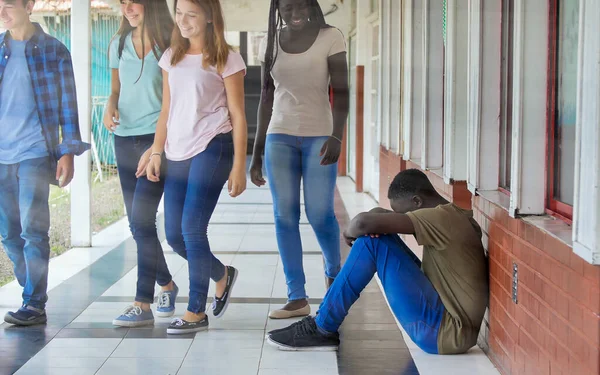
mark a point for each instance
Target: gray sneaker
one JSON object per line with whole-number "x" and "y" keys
{"x": 182, "y": 327}
{"x": 134, "y": 316}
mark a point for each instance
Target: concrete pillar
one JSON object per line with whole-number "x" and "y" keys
{"x": 81, "y": 208}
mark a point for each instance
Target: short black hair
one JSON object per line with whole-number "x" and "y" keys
{"x": 409, "y": 183}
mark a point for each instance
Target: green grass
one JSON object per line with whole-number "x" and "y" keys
{"x": 5, "y": 280}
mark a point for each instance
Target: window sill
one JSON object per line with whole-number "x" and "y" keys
{"x": 550, "y": 225}
{"x": 496, "y": 197}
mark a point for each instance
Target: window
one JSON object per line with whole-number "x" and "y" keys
{"x": 254, "y": 39}
{"x": 374, "y": 6}
{"x": 564, "y": 32}
{"x": 507, "y": 96}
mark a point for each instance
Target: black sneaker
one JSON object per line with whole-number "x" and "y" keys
{"x": 183, "y": 327}
{"x": 304, "y": 336}
{"x": 219, "y": 305}
{"x": 26, "y": 316}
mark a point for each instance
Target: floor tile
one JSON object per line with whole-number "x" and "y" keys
{"x": 141, "y": 366}
{"x": 57, "y": 371}
{"x": 241, "y": 316}
{"x": 49, "y": 353}
{"x": 300, "y": 371}
{"x": 67, "y": 344}
{"x": 273, "y": 359}
{"x": 228, "y": 368}
{"x": 152, "y": 348}
{"x": 43, "y": 362}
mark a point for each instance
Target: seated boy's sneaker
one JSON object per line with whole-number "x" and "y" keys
{"x": 166, "y": 302}
{"x": 304, "y": 336}
{"x": 134, "y": 316}
{"x": 183, "y": 327}
{"x": 26, "y": 316}
{"x": 219, "y": 305}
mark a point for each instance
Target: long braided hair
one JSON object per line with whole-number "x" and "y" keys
{"x": 275, "y": 26}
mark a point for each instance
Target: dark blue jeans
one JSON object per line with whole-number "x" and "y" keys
{"x": 24, "y": 225}
{"x": 142, "y": 198}
{"x": 192, "y": 190}
{"x": 414, "y": 301}
{"x": 290, "y": 161}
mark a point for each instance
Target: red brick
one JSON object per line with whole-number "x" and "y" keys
{"x": 507, "y": 241}
{"x": 528, "y": 345}
{"x": 559, "y": 328}
{"x": 561, "y": 276}
{"x": 580, "y": 348}
{"x": 510, "y": 326}
{"x": 577, "y": 264}
{"x": 579, "y": 288}
{"x": 544, "y": 315}
{"x": 520, "y": 359}
{"x": 526, "y": 231}
{"x": 591, "y": 326}
{"x": 576, "y": 315}
{"x": 591, "y": 272}
{"x": 526, "y": 276}
{"x": 549, "y": 294}
{"x": 557, "y": 250}
{"x": 562, "y": 355}
{"x": 532, "y": 367}
{"x": 594, "y": 299}
{"x": 544, "y": 363}
{"x": 538, "y": 286}
{"x": 513, "y": 226}
{"x": 555, "y": 369}
{"x": 529, "y": 302}
{"x": 562, "y": 304}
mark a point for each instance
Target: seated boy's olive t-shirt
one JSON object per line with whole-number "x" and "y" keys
{"x": 454, "y": 262}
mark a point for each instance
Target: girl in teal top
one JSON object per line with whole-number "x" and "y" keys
{"x": 131, "y": 114}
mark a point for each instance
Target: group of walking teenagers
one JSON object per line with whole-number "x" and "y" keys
{"x": 177, "y": 113}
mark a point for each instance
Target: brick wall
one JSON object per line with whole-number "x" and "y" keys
{"x": 555, "y": 326}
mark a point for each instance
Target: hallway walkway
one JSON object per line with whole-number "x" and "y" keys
{"x": 90, "y": 287}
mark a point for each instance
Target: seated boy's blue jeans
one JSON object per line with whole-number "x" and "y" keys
{"x": 414, "y": 301}
{"x": 24, "y": 225}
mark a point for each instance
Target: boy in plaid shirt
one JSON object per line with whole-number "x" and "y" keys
{"x": 40, "y": 136}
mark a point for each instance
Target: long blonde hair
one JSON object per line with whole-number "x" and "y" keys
{"x": 216, "y": 48}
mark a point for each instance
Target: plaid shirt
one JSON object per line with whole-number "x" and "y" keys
{"x": 53, "y": 82}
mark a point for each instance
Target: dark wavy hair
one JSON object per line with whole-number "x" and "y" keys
{"x": 276, "y": 24}
{"x": 158, "y": 21}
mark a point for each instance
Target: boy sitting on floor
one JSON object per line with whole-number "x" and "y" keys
{"x": 440, "y": 302}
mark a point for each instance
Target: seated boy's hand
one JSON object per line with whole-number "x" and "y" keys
{"x": 349, "y": 239}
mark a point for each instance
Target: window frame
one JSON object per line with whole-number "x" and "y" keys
{"x": 554, "y": 207}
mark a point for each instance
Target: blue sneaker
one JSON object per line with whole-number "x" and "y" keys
{"x": 166, "y": 302}
{"x": 26, "y": 316}
{"x": 134, "y": 316}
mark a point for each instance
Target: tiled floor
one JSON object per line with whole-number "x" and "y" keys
{"x": 90, "y": 287}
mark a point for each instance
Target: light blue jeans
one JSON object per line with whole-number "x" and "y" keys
{"x": 24, "y": 225}
{"x": 291, "y": 160}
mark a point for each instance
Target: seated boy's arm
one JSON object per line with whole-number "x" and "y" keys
{"x": 380, "y": 223}
{"x": 379, "y": 210}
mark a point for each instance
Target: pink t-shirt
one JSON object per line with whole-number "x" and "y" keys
{"x": 198, "y": 110}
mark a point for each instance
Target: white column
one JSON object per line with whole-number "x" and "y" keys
{"x": 407, "y": 94}
{"x": 483, "y": 89}
{"x": 433, "y": 84}
{"x": 530, "y": 79}
{"x": 81, "y": 208}
{"x": 586, "y": 209}
{"x": 455, "y": 112}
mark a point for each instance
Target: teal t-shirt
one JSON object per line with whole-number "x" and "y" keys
{"x": 139, "y": 102}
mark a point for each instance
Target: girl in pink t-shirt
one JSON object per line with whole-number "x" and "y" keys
{"x": 202, "y": 131}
